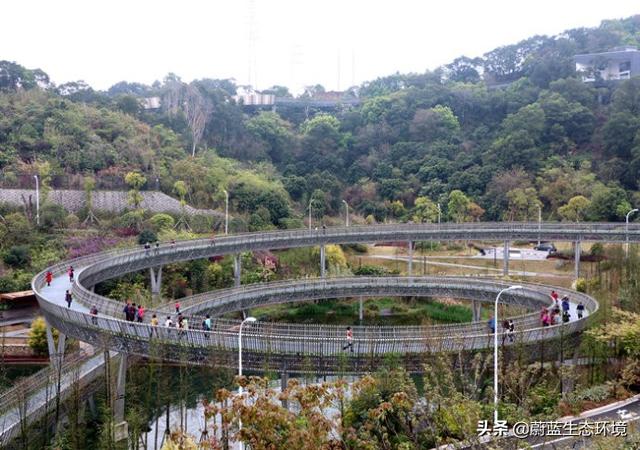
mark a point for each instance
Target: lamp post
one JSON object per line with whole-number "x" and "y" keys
{"x": 347, "y": 207}
{"x": 495, "y": 352}
{"x": 626, "y": 227}
{"x": 226, "y": 211}
{"x": 439, "y": 213}
{"x": 248, "y": 319}
{"x": 37, "y": 200}
{"x": 539, "y": 222}
{"x": 310, "y": 202}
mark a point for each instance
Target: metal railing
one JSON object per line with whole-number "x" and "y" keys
{"x": 317, "y": 339}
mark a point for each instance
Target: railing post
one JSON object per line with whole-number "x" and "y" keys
{"x": 505, "y": 263}
{"x": 410, "y": 270}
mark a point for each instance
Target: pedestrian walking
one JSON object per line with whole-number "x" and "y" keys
{"x": 206, "y": 323}
{"x": 349, "y": 337}
{"x": 140, "y": 314}
{"x": 157, "y": 247}
{"x": 580, "y": 309}
{"x": 554, "y": 297}
{"x": 154, "y": 324}
{"x": 68, "y": 298}
{"x": 565, "y": 303}
{"x": 94, "y": 313}
{"x": 177, "y": 307}
{"x": 505, "y": 330}
{"x": 168, "y": 323}
{"x": 511, "y": 331}
{"x": 48, "y": 277}
{"x": 147, "y": 247}
{"x": 491, "y": 323}
{"x": 70, "y": 273}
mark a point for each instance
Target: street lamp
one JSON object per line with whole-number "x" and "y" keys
{"x": 37, "y": 200}
{"x": 248, "y": 319}
{"x": 226, "y": 211}
{"x": 626, "y": 247}
{"x": 539, "y": 222}
{"x": 495, "y": 352}
{"x": 310, "y": 202}
{"x": 347, "y": 207}
{"x": 439, "y": 213}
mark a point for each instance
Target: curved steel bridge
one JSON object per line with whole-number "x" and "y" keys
{"x": 307, "y": 347}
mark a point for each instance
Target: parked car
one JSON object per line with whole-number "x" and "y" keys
{"x": 546, "y": 247}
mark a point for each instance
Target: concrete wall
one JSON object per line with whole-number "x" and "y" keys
{"x": 112, "y": 201}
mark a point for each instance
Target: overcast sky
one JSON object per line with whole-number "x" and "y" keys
{"x": 336, "y": 43}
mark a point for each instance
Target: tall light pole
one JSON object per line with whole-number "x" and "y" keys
{"x": 37, "y": 199}
{"x": 248, "y": 319}
{"x": 539, "y": 222}
{"x": 626, "y": 228}
{"x": 226, "y": 211}
{"x": 495, "y": 352}
{"x": 310, "y": 202}
{"x": 439, "y": 213}
{"x": 347, "y": 207}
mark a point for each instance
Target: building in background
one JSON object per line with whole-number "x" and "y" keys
{"x": 621, "y": 63}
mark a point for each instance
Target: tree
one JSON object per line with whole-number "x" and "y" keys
{"x": 608, "y": 203}
{"x": 575, "y": 209}
{"x": 619, "y": 133}
{"x": 425, "y": 210}
{"x": 437, "y": 123}
{"x": 523, "y": 204}
{"x": 275, "y": 133}
{"x": 135, "y": 180}
{"x": 181, "y": 189}
{"x": 458, "y": 206}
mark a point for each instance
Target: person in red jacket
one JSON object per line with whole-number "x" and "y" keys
{"x": 48, "y": 278}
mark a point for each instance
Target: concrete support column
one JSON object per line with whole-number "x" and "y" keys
{"x": 156, "y": 280}
{"x": 361, "y": 310}
{"x": 505, "y": 266}
{"x": 577, "y": 250}
{"x": 476, "y": 310}
{"x": 410, "y": 269}
{"x": 322, "y": 262}
{"x": 284, "y": 379}
{"x": 121, "y": 383}
{"x": 237, "y": 269}
{"x": 56, "y": 356}
{"x": 120, "y": 425}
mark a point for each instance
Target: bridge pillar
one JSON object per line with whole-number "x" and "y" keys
{"x": 56, "y": 357}
{"x": 284, "y": 380}
{"x": 156, "y": 280}
{"x": 120, "y": 425}
{"x": 237, "y": 269}
{"x": 576, "y": 252}
{"x": 322, "y": 262}
{"x": 476, "y": 310}
{"x": 505, "y": 264}
{"x": 410, "y": 269}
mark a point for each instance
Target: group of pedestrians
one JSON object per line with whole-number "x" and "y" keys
{"x": 560, "y": 311}
{"x": 508, "y": 329}
{"x": 133, "y": 312}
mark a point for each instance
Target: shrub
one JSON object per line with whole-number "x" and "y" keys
{"x": 161, "y": 222}
{"x": 581, "y": 285}
{"x": 147, "y": 236}
{"x": 38, "y": 336}
{"x": 369, "y": 270}
{"x": 290, "y": 223}
{"x": 52, "y": 216}
{"x": 17, "y": 256}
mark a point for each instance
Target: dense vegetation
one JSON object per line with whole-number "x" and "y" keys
{"x": 512, "y": 130}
